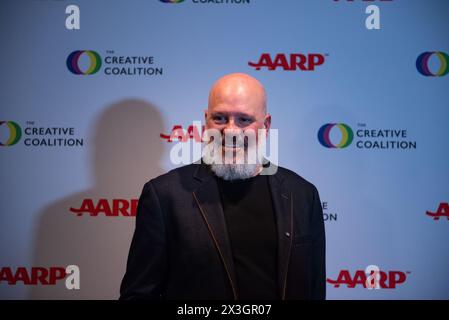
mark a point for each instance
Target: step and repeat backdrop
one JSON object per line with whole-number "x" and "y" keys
{"x": 91, "y": 92}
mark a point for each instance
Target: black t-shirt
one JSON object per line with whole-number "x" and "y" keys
{"x": 251, "y": 226}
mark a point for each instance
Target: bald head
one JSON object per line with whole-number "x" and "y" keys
{"x": 239, "y": 90}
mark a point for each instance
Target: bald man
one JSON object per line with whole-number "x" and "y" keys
{"x": 225, "y": 227}
{"x": 237, "y": 110}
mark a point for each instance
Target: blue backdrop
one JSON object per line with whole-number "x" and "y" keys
{"x": 82, "y": 113}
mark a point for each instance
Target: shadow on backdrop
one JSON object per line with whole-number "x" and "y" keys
{"x": 125, "y": 151}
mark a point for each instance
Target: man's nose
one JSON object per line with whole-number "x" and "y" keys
{"x": 232, "y": 129}
{"x": 231, "y": 126}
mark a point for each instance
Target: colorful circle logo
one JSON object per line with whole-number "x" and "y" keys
{"x": 172, "y": 1}
{"x": 422, "y": 64}
{"x": 15, "y": 133}
{"x": 347, "y": 135}
{"x": 94, "y": 62}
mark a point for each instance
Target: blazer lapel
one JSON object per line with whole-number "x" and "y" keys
{"x": 208, "y": 200}
{"x": 283, "y": 206}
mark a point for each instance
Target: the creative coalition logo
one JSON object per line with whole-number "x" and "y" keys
{"x": 370, "y": 278}
{"x": 341, "y": 135}
{"x": 11, "y": 133}
{"x": 442, "y": 211}
{"x": 89, "y": 62}
{"x": 289, "y": 62}
{"x": 74, "y": 58}
{"x": 107, "y": 208}
{"x": 347, "y": 135}
{"x": 41, "y": 276}
{"x": 423, "y": 64}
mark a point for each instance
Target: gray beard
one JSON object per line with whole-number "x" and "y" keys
{"x": 234, "y": 171}
{"x": 239, "y": 170}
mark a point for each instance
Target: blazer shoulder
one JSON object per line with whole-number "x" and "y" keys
{"x": 172, "y": 178}
{"x": 296, "y": 181}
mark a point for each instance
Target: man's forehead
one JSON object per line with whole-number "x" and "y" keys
{"x": 233, "y": 109}
{"x": 230, "y": 113}
{"x": 238, "y": 93}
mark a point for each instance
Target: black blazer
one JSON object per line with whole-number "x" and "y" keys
{"x": 180, "y": 248}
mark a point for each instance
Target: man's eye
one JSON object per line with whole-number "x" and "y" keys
{"x": 246, "y": 120}
{"x": 219, "y": 119}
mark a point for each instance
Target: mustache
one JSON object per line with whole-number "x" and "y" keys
{"x": 234, "y": 140}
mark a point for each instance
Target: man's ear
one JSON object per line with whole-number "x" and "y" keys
{"x": 205, "y": 115}
{"x": 267, "y": 122}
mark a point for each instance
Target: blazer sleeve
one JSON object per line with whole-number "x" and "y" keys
{"x": 147, "y": 259}
{"x": 318, "y": 250}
